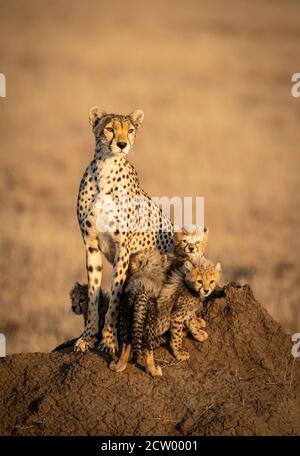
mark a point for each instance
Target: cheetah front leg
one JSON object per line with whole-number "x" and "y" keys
{"x": 109, "y": 334}
{"x": 94, "y": 273}
{"x": 124, "y": 335}
{"x": 151, "y": 340}
{"x": 121, "y": 364}
{"x": 177, "y": 336}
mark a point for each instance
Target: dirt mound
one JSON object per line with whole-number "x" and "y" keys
{"x": 242, "y": 380}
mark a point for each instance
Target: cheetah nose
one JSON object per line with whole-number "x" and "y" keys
{"x": 191, "y": 248}
{"x": 122, "y": 144}
{"x": 206, "y": 291}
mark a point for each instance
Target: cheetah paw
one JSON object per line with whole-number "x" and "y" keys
{"x": 155, "y": 372}
{"x": 202, "y": 323}
{"x": 201, "y": 336}
{"x": 82, "y": 345}
{"x": 109, "y": 344}
{"x": 182, "y": 355}
{"x": 116, "y": 366}
{"x": 197, "y": 323}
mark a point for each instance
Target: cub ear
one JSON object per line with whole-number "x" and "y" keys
{"x": 95, "y": 115}
{"x": 137, "y": 117}
{"x": 218, "y": 267}
{"x": 188, "y": 229}
{"x": 188, "y": 265}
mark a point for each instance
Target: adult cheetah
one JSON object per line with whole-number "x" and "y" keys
{"x": 116, "y": 218}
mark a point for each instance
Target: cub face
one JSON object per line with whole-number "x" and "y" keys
{"x": 202, "y": 279}
{"x": 78, "y": 296}
{"x": 137, "y": 262}
{"x": 191, "y": 241}
{"x": 115, "y": 131}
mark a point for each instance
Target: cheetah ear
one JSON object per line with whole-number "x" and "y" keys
{"x": 218, "y": 267}
{"x": 95, "y": 115}
{"x": 188, "y": 265}
{"x": 187, "y": 229}
{"x": 137, "y": 117}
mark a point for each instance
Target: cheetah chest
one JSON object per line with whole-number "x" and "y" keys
{"x": 108, "y": 213}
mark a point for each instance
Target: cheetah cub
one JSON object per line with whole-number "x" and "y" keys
{"x": 79, "y": 303}
{"x": 184, "y": 293}
{"x": 190, "y": 242}
{"x": 138, "y": 307}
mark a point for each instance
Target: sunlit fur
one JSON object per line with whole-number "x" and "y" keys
{"x": 191, "y": 241}
{"x": 138, "y": 309}
{"x": 202, "y": 278}
{"x": 108, "y": 178}
{"x": 146, "y": 274}
{"x": 113, "y": 130}
{"x": 188, "y": 284}
{"x": 141, "y": 289}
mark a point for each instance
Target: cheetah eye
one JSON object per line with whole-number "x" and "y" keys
{"x": 211, "y": 282}
{"x": 197, "y": 242}
{"x": 200, "y": 282}
{"x": 131, "y": 130}
{"x": 184, "y": 241}
{"x": 110, "y": 129}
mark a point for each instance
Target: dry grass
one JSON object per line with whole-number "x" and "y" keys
{"x": 213, "y": 79}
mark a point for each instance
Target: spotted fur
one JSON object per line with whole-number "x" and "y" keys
{"x": 107, "y": 174}
{"x": 138, "y": 309}
{"x": 181, "y": 300}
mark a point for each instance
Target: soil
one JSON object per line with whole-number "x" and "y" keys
{"x": 242, "y": 381}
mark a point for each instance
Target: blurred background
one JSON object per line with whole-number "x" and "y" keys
{"x": 214, "y": 81}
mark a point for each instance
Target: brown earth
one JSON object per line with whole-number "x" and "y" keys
{"x": 242, "y": 380}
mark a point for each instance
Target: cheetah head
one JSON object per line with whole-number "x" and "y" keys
{"x": 202, "y": 278}
{"x": 115, "y": 131}
{"x": 79, "y": 298}
{"x": 191, "y": 241}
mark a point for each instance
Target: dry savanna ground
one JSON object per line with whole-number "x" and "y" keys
{"x": 213, "y": 79}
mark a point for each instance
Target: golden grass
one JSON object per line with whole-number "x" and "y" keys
{"x": 214, "y": 82}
